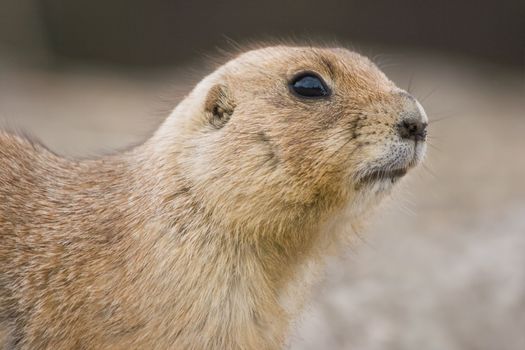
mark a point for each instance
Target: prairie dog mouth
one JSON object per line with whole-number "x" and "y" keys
{"x": 383, "y": 174}
{"x": 398, "y": 162}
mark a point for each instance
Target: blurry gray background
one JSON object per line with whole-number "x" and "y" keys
{"x": 442, "y": 265}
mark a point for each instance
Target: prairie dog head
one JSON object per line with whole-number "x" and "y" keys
{"x": 279, "y": 131}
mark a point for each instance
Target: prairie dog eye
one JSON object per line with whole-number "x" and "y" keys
{"x": 309, "y": 85}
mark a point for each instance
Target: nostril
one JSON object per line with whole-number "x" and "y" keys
{"x": 413, "y": 129}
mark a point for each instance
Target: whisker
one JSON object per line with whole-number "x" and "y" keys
{"x": 363, "y": 240}
{"x": 384, "y": 60}
{"x": 443, "y": 112}
{"x": 432, "y": 121}
{"x": 405, "y": 208}
{"x": 388, "y": 65}
{"x": 350, "y": 139}
{"x": 429, "y": 94}
{"x": 429, "y": 170}
{"x": 409, "y": 87}
{"x": 434, "y": 147}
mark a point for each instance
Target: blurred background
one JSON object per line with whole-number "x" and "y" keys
{"x": 442, "y": 265}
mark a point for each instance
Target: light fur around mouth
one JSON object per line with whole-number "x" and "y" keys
{"x": 393, "y": 171}
{"x": 383, "y": 174}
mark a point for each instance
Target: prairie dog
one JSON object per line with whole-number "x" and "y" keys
{"x": 196, "y": 238}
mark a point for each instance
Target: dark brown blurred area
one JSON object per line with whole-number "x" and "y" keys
{"x": 163, "y": 32}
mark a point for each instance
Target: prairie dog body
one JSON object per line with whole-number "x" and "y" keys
{"x": 195, "y": 239}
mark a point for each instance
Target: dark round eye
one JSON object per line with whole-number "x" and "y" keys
{"x": 309, "y": 85}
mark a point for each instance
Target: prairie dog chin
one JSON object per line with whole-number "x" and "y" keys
{"x": 200, "y": 237}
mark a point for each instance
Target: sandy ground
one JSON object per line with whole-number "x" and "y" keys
{"x": 442, "y": 266}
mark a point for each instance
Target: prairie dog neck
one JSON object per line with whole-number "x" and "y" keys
{"x": 167, "y": 272}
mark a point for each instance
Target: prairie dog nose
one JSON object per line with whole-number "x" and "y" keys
{"x": 413, "y": 122}
{"x": 412, "y": 129}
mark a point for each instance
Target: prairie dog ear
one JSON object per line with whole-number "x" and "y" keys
{"x": 219, "y": 106}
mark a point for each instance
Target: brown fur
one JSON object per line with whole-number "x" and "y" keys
{"x": 194, "y": 239}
